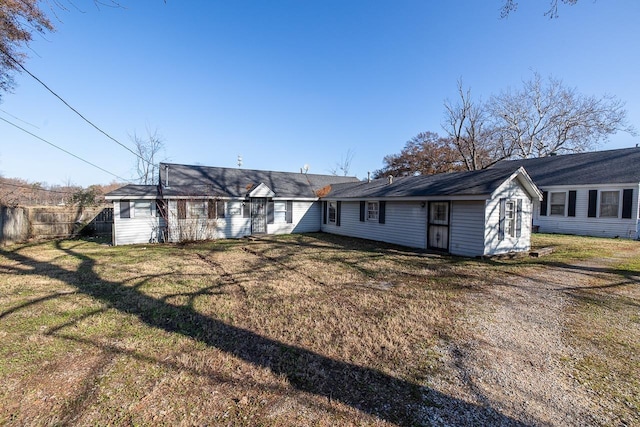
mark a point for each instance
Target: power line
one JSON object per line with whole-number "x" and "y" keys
{"x": 62, "y": 149}
{"x": 15, "y": 61}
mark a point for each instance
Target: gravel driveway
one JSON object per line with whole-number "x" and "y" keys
{"x": 514, "y": 361}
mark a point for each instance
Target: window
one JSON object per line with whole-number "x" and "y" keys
{"x": 332, "y": 212}
{"x": 609, "y": 204}
{"x": 279, "y": 211}
{"x": 557, "y": 203}
{"x": 142, "y": 208}
{"x": 439, "y": 212}
{"x": 510, "y": 218}
{"x": 125, "y": 209}
{"x": 197, "y": 209}
{"x": 373, "y": 211}
{"x": 215, "y": 209}
{"x": 234, "y": 208}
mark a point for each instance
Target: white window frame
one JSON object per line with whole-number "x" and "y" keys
{"x": 142, "y": 208}
{"x": 373, "y": 211}
{"x": 600, "y": 203}
{"x": 279, "y": 211}
{"x": 510, "y": 215}
{"x": 197, "y": 209}
{"x": 552, "y": 204}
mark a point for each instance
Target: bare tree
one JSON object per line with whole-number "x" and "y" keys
{"x": 510, "y": 6}
{"x": 466, "y": 123}
{"x": 344, "y": 165}
{"x": 545, "y": 117}
{"x": 148, "y": 151}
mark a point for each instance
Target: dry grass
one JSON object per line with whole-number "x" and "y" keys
{"x": 294, "y": 330}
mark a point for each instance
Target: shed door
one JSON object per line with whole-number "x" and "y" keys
{"x": 438, "y": 226}
{"x": 258, "y": 216}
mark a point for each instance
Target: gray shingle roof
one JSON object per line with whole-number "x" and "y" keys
{"x": 134, "y": 191}
{"x": 232, "y": 182}
{"x": 596, "y": 167}
{"x": 475, "y": 183}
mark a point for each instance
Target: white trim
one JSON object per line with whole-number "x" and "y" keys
{"x": 262, "y": 191}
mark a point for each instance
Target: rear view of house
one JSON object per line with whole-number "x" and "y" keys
{"x": 466, "y": 213}
{"x": 199, "y": 202}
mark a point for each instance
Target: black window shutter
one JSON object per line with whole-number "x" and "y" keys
{"x": 503, "y": 208}
{"x": 627, "y": 202}
{"x": 211, "y": 209}
{"x": 270, "y": 212}
{"x": 593, "y": 203}
{"x": 519, "y": 218}
{"x": 338, "y": 211}
{"x": 289, "y": 213}
{"x": 382, "y": 212}
{"x": 362, "y": 210}
{"x": 543, "y": 203}
{"x": 572, "y": 203}
{"x": 324, "y": 212}
{"x": 182, "y": 209}
{"x": 125, "y": 209}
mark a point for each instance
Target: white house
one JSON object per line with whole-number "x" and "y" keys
{"x": 476, "y": 213}
{"x": 466, "y": 213}
{"x": 199, "y": 202}
{"x": 592, "y": 194}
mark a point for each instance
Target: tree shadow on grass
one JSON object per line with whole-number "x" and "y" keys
{"x": 366, "y": 389}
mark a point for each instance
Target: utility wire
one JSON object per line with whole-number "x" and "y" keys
{"x": 62, "y": 149}
{"x": 15, "y": 61}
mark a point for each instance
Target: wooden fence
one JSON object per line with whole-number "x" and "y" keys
{"x": 18, "y": 224}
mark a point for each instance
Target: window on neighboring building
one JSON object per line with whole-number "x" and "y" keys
{"x": 332, "y": 212}
{"x": 373, "y": 211}
{"x": 609, "y": 204}
{"x": 557, "y": 203}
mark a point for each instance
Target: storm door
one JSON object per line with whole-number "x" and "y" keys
{"x": 258, "y": 216}
{"x": 438, "y": 226}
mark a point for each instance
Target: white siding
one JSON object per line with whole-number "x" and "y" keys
{"x": 405, "y": 224}
{"x": 467, "y": 228}
{"x": 305, "y": 219}
{"x": 140, "y": 229}
{"x": 581, "y": 224}
{"x": 493, "y": 244}
{"x": 232, "y": 226}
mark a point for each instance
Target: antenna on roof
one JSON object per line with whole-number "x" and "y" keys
{"x": 239, "y": 161}
{"x": 305, "y": 168}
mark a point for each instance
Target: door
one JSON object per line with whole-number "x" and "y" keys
{"x": 258, "y": 216}
{"x": 438, "y": 226}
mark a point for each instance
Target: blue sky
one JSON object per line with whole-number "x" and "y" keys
{"x": 289, "y": 83}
